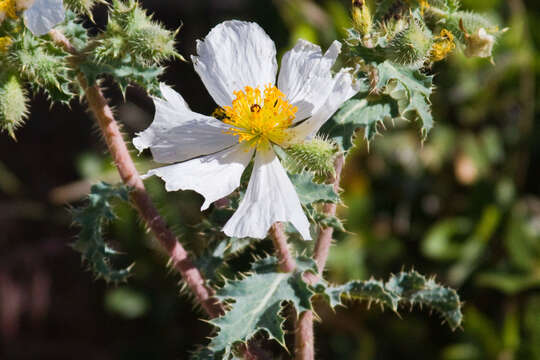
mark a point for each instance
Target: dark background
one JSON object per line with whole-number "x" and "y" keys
{"x": 464, "y": 205}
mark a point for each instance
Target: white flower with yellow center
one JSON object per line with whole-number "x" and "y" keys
{"x": 40, "y": 16}
{"x": 237, "y": 64}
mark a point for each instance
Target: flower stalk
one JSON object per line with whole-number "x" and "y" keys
{"x": 305, "y": 339}
{"x": 111, "y": 132}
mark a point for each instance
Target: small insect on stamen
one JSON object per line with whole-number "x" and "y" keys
{"x": 255, "y": 108}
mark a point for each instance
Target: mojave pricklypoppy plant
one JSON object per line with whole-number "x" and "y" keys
{"x": 237, "y": 64}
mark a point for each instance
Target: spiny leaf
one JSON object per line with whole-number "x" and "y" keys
{"x": 404, "y": 288}
{"x": 310, "y": 192}
{"x": 90, "y": 242}
{"x": 411, "y": 89}
{"x": 256, "y": 302}
{"x": 354, "y": 114}
{"x": 414, "y": 288}
{"x": 371, "y": 290}
{"x": 125, "y": 71}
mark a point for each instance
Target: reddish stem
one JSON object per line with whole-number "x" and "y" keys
{"x": 305, "y": 338}
{"x": 286, "y": 261}
{"x": 126, "y": 168}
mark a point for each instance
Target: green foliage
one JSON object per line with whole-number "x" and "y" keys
{"x": 310, "y": 192}
{"x": 73, "y": 29}
{"x": 125, "y": 72}
{"x": 131, "y": 49}
{"x": 13, "y": 103}
{"x": 354, "y": 114}
{"x": 410, "y": 89}
{"x": 90, "y": 243}
{"x": 255, "y": 305}
{"x": 404, "y": 288}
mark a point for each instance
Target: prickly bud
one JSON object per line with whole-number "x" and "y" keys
{"x": 361, "y": 15}
{"x": 130, "y": 31}
{"x": 13, "y": 104}
{"x": 316, "y": 156}
{"x": 82, "y": 6}
{"x": 411, "y": 46}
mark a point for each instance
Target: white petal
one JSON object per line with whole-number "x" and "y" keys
{"x": 235, "y": 54}
{"x": 270, "y": 197}
{"x": 342, "y": 90}
{"x": 214, "y": 176}
{"x": 178, "y": 134}
{"x": 306, "y": 78}
{"x": 43, "y": 15}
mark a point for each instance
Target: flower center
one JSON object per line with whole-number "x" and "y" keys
{"x": 259, "y": 118}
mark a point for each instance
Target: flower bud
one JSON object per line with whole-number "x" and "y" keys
{"x": 361, "y": 15}
{"x": 316, "y": 156}
{"x": 13, "y": 104}
{"x": 411, "y": 46}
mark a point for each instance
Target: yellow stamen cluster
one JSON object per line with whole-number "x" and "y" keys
{"x": 8, "y": 8}
{"x": 259, "y": 118}
{"x": 444, "y": 45}
{"x": 5, "y": 43}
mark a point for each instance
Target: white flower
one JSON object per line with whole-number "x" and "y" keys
{"x": 40, "y": 16}
{"x": 237, "y": 63}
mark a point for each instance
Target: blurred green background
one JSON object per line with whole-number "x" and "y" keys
{"x": 464, "y": 205}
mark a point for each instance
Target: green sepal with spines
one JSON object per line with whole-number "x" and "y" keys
{"x": 90, "y": 242}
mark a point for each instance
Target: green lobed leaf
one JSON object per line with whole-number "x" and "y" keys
{"x": 411, "y": 89}
{"x": 255, "y": 305}
{"x": 404, "y": 288}
{"x": 310, "y": 192}
{"x": 356, "y": 113}
{"x": 90, "y": 242}
{"x": 125, "y": 72}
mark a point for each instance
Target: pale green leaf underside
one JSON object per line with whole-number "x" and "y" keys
{"x": 310, "y": 192}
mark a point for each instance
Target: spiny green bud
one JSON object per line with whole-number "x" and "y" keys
{"x": 411, "y": 46}
{"x": 316, "y": 156}
{"x": 130, "y": 31}
{"x": 13, "y": 104}
{"x": 361, "y": 15}
{"x": 42, "y": 65}
{"x": 83, "y": 7}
